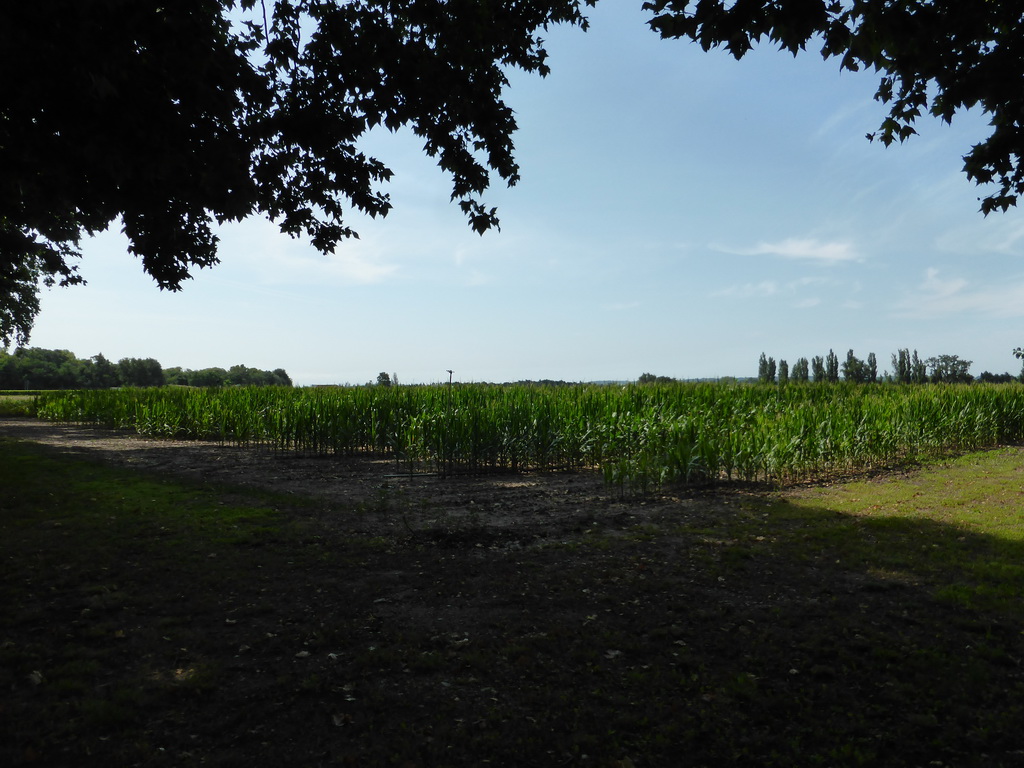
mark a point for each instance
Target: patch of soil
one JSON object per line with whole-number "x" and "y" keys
{"x": 388, "y": 498}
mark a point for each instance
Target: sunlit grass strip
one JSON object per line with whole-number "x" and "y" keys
{"x": 640, "y": 436}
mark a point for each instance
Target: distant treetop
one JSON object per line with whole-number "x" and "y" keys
{"x": 34, "y": 368}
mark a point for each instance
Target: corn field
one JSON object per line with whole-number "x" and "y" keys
{"x": 640, "y": 436}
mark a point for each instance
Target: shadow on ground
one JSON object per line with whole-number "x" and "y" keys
{"x": 149, "y": 620}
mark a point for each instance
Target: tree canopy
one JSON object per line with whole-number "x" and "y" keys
{"x": 935, "y": 57}
{"x": 34, "y": 368}
{"x": 171, "y": 117}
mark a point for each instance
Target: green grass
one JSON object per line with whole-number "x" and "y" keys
{"x": 86, "y": 550}
{"x": 961, "y": 522}
{"x": 18, "y": 404}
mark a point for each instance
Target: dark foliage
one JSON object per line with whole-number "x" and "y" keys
{"x": 34, "y": 368}
{"x": 934, "y": 56}
{"x": 173, "y": 117}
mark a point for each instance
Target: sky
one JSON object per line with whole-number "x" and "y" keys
{"x": 679, "y": 213}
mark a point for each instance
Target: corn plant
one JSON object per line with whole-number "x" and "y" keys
{"x": 641, "y": 437}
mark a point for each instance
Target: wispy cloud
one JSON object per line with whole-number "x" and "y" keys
{"x": 800, "y": 248}
{"x": 846, "y": 124}
{"x": 359, "y": 268}
{"x": 994, "y": 235}
{"x": 937, "y": 288}
{"x": 807, "y": 303}
{"x": 748, "y": 290}
{"x": 255, "y": 246}
{"x": 792, "y": 289}
{"x": 938, "y": 296}
{"x": 346, "y": 266}
{"x": 806, "y": 282}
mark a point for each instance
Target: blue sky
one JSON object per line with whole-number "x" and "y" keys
{"x": 679, "y": 213}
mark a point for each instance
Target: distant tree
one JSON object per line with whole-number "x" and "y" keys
{"x": 32, "y": 368}
{"x": 48, "y": 368}
{"x": 650, "y": 378}
{"x": 10, "y": 377}
{"x": 853, "y": 368}
{"x": 1019, "y": 354}
{"x": 383, "y": 380}
{"x": 783, "y": 372}
{"x": 762, "y": 368}
{"x": 860, "y": 371}
{"x": 177, "y": 376}
{"x": 103, "y": 374}
{"x": 237, "y": 375}
{"x": 949, "y": 369}
{"x": 918, "y": 370}
{"x": 243, "y": 376}
{"x": 208, "y": 377}
{"x": 831, "y": 367}
{"x": 801, "y": 370}
{"x": 901, "y": 367}
{"x": 35, "y": 368}
{"x": 985, "y": 377}
{"x": 871, "y": 369}
{"x": 818, "y": 368}
{"x": 139, "y": 372}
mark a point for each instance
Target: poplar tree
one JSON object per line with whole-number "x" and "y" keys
{"x": 901, "y": 367}
{"x": 918, "y": 370}
{"x": 831, "y": 367}
{"x": 818, "y": 368}
{"x": 853, "y": 368}
{"x": 800, "y": 370}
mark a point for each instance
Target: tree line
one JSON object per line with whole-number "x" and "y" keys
{"x": 34, "y": 368}
{"x": 907, "y": 368}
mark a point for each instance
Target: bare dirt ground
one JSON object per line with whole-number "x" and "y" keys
{"x": 512, "y": 505}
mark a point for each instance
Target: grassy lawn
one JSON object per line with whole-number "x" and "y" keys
{"x": 149, "y": 621}
{"x": 12, "y": 404}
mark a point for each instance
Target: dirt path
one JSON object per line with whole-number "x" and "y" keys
{"x": 520, "y": 506}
